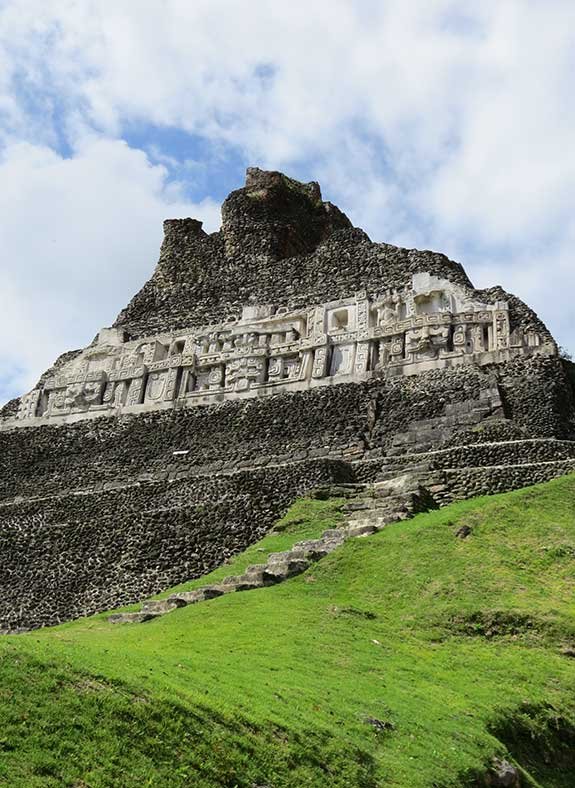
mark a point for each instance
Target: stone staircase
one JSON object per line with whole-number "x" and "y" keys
{"x": 404, "y": 485}
{"x": 368, "y": 509}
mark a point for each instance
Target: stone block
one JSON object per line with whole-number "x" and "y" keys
{"x": 132, "y": 618}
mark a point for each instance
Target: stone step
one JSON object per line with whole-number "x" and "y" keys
{"x": 315, "y": 549}
{"x": 337, "y": 491}
{"x": 132, "y": 618}
{"x": 333, "y": 535}
{"x": 357, "y": 504}
{"x": 286, "y": 555}
{"x": 254, "y": 569}
{"x": 197, "y": 595}
{"x": 378, "y": 505}
{"x": 390, "y": 513}
{"x": 385, "y": 489}
{"x": 162, "y": 605}
{"x": 245, "y": 582}
{"x": 374, "y": 522}
{"x": 389, "y": 502}
{"x": 257, "y": 578}
{"x": 361, "y": 529}
{"x": 288, "y": 568}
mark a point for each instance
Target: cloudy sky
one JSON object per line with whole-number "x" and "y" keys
{"x": 433, "y": 124}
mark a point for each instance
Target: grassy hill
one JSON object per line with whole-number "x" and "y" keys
{"x": 408, "y": 658}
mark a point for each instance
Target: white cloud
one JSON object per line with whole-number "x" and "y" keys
{"x": 78, "y": 237}
{"x": 437, "y": 123}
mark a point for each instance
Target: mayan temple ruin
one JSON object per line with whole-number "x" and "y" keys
{"x": 284, "y": 352}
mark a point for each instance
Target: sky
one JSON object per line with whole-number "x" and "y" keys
{"x": 432, "y": 124}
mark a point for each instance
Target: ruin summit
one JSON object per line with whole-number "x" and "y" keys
{"x": 283, "y": 352}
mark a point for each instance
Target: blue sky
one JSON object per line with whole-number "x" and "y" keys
{"x": 437, "y": 124}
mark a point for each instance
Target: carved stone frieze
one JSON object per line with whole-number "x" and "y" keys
{"x": 432, "y": 323}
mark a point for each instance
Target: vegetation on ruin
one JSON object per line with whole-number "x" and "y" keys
{"x": 409, "y": 658}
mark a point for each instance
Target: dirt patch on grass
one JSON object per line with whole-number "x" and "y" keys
{"x": 497, "y": 623}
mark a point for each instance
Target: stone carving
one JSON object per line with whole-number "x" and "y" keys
{"x": 135, "y": 391}
{"x": 361, "y": 358}
{"x": 401, "y": 331}
{"x": 29, "y": 405}
{"x": 241, "y": 373}
{"x": 155, "y": 386}
{"x": 426, "y": 342}
{"x": 459, "y": 336}
{"x": 282, "y": 368}
{"x": 320, "y": 362}
{"x": 501, "y": 327}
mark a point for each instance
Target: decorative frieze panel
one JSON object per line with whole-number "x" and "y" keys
{"x": 431, "y": 323}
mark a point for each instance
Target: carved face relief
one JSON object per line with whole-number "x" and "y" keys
{"x": 92, "y": 393}
{"x": 57, "y": 399}
{"x": 425, "y": 342}
{"x": 71, "y": 394}
{"x": 232, "y": 372}
{"x": 82, "y": 395}
{"x": 242, "y": 372}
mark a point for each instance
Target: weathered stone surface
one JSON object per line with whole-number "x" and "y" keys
{"x": 503, "y": 775}
{"x": 318, "y": 359}
{"x": 134, "y": 618}
{"x": 77, "y": 552}
{"x": 433, "y": 324}
{"x": 162, "y": 606}
{"x": 364, "y": 529}
{"x": 184, "y": 598}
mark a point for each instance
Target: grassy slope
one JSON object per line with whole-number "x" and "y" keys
{"x": 456, "y": 646}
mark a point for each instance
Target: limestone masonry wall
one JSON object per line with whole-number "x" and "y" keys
{"x": 462, "y": 388}
{"x": 106, "y": 513}
{"x": 74, "y": 555}
{"x": 349, "y": 421}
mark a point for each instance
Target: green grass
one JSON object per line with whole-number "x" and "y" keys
{"x": 458, "y": 647}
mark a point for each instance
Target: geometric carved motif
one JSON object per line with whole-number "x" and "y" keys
{"x": 402, "y": 331}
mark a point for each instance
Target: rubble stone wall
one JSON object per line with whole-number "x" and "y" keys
{"x": 347, "y": 421}
{"x": 105, "y": 513}
{"x": 456, "y": 484}
{"x": 73, "y": 555}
